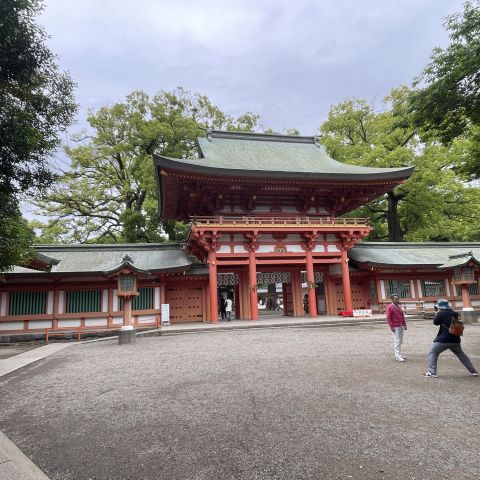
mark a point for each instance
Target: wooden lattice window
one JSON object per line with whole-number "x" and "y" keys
{"x": 433, "y": 288}
{"x": 398, "y": 287}
{"x": 143, "y": 301}
{"x": 28, "y": 303}
{"x": 83, "y": 301}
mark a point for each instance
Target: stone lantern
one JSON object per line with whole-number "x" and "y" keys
{"x": 463, "y": 268}
{"x": 126, "y": 275}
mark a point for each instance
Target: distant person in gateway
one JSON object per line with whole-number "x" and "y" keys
{"x": 223, "y": 304}
{"x": 228, "y": 309}
{"x": 396, "y": 322}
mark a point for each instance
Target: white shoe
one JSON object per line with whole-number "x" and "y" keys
{"x": 399, "y": 359}
{"x": 428, "y": 375}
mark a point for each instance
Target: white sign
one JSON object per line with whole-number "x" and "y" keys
{"x": 362, "y": 313}
{"x": 166, "y": 314}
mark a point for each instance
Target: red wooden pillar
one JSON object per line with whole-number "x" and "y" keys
{"x": 347, "y": 292}
{"x": 236, "y": 294}
{"x": 285, "y": 299}
{"x": 467, "y": 303}
{"x": 56, "y": 294}
{"x": 110, "y": 307}
{"x": 162, "y": 300}
{"x": 252, "y": 277}
{"x": 312, "y": 300}
{"x": 212, "y": 281}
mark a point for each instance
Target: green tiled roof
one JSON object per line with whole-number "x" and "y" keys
{"x": 279, "y": 156}
{"x": 107, "y": 258}
{"x": 409, "y": 254}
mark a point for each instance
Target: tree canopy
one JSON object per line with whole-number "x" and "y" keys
{"x": 109, "y": 194}
{"x": 446, "y": 103}
{"x": 37, "y": 104}
{"x": 435, "y": 203}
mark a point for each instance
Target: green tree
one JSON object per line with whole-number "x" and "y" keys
{"x": 447, "y": 100}
{"x": 434, "y": 204}
{"x": 37, "y": 104}
{"x": 110, "y": 192}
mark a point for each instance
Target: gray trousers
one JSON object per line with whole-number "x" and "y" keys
{"x": 398, "y": 341}
{"x": 456, "y": 348}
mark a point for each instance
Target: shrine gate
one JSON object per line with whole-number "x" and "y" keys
{"x": 270, "y": 203}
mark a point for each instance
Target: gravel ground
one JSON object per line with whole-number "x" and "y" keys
{"x": 297, "y": 403}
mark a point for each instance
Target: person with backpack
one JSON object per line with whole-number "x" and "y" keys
{"x": 448, "y": 338}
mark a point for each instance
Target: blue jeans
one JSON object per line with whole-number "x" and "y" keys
{"x": 456, "y": 348}
{"x": 229, "y": 315}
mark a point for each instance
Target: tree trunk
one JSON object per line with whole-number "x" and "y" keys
{"x": 395, "y": 233}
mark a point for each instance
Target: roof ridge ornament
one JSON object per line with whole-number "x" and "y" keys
{"x": 127, "y": 259}
{"x": 461, "y": 255}
{"x": 209, "y": 134}
{"x": 316, "y": 141}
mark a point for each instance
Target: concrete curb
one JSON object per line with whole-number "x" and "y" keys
{"x": 14, "y": 465}
{"x": 223, "y": 327}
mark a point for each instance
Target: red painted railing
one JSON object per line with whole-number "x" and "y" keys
{"x": 77, "y": 332}
{"x": 238, "y": 221}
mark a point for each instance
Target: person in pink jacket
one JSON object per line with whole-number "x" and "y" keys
{"x": 397, "y": 324}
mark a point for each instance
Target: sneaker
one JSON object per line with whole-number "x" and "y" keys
{"x": 399, "y": 359}
{"x": 473, "y": 373}
{"x": 428, "y": 374}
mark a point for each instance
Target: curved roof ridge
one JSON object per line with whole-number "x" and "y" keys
{"x": 273, "y": 137}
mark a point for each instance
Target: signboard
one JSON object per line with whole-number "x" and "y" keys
{"x": 166, "y": 314}
{"x": 362, "y": 313}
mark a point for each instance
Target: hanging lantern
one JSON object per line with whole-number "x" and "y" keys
{"x": 127, "y": 285}
{"x": 463, "y": 274}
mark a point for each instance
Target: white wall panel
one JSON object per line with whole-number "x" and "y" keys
{"x": 419, "y": 286}
{"x": 96, "y": 322}
{"x": 105, "y": 300}
{"x": 49, "y": 302}
{"x": 265, "y": 249}
{"x": 295, "y": 248}
{"x": 115, "y": 301}
{"x": 61, "y": 301}
{"x": 71, "y": 322}
{"x": 11, "y": 326}
{"x": 3, "y": 304}
{"x": 156, "y": 298}
{"x": 382, "y": 289}
{"x": 40, "y": 324}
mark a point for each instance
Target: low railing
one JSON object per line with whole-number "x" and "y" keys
{"x": 77, "y": 332}
{"x": 241, "y": 221}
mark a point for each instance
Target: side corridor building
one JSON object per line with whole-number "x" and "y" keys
{"x": 264, "y": 210}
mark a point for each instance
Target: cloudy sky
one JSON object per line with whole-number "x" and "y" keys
{"x": 287, "y": 60}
